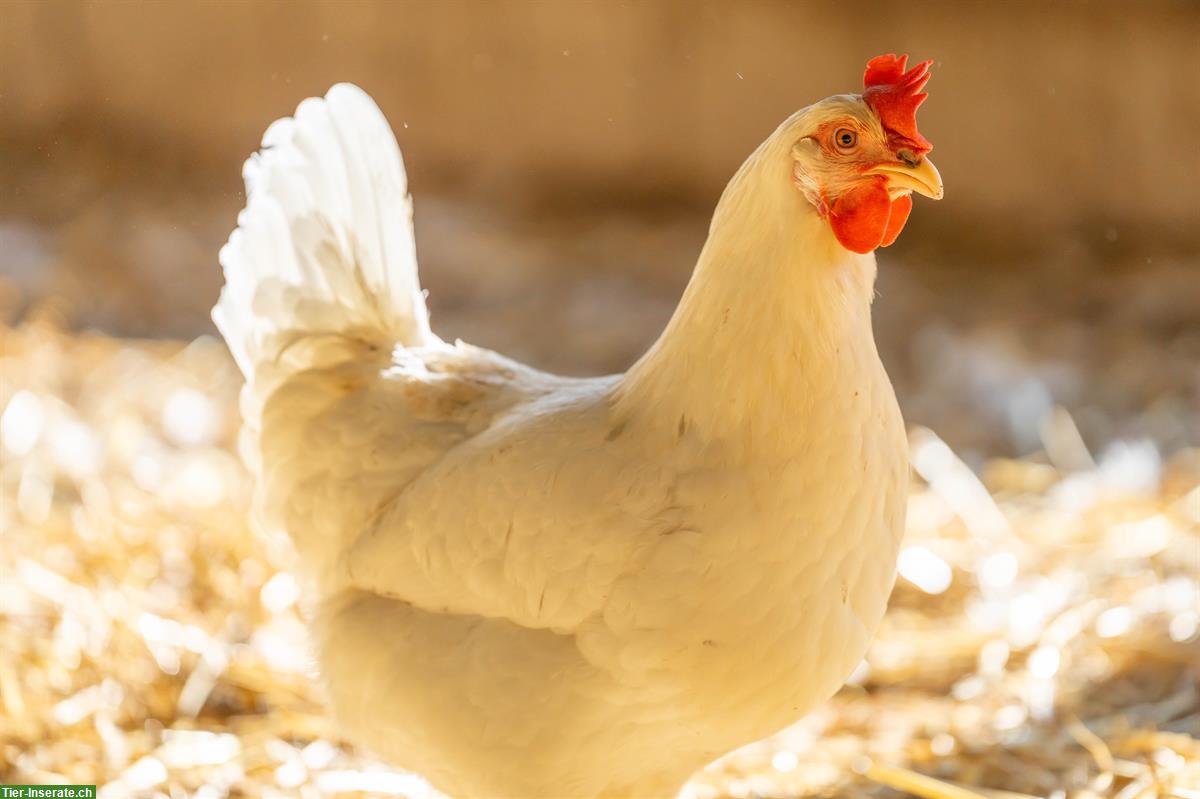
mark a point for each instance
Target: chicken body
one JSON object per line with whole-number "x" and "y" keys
{"x": 529, "y": 585}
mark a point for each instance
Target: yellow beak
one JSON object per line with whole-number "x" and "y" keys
{"x": 922, "y": 178}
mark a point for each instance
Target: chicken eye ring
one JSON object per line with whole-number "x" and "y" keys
{"x": 845, "y": 139}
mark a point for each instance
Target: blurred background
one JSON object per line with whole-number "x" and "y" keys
{"x": 565, "y": 158}
{"x": 1041, "y": 324}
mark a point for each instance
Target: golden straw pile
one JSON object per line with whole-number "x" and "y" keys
{"x": 1043, "y": 639}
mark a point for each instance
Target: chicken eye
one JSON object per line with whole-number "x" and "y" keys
{"x": 845, "y": 139}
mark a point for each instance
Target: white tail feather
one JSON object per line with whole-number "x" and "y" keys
{"x": 324, "y": 248}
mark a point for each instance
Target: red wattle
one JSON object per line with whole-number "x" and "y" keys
{"x": 866, "y": 217}
{"x": 901, "y": 207}
{"x": 860, "y": 217}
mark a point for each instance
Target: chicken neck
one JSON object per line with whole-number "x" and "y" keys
{"x": 773, "y": 330}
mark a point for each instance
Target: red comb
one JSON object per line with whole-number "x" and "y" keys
{"x": 895, "y": 95}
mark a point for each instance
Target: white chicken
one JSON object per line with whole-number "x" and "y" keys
{"x": 530, "y": 585}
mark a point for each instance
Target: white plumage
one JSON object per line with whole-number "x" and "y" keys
{"x": 531, "y": 585}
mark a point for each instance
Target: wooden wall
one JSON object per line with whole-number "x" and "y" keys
{"x": 1050, "y": 114}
